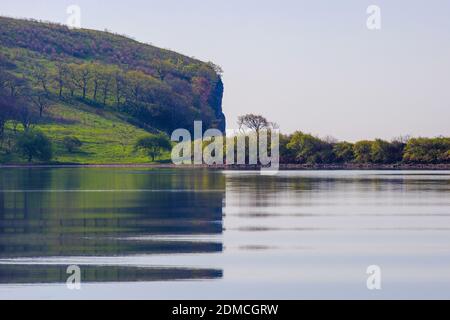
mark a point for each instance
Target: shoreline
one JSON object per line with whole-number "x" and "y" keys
{"x": 283, "y": 167}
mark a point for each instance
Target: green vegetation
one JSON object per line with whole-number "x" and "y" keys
{"x": 105, "y": 90}
{"x": 306, "y": 149}
{"x": 72, "y": 144}
{"x": 90, "y": 97}
{"x": 302, "y": 148}
{"x": 423, "y": 150}
{"x": 154, "y": 145}
{"x": 34, "y": 145}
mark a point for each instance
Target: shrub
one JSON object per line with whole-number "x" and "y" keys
{"x": 34, "y": 145}
{"x": 154, "y": 144}
{"x": 72, "y": 144}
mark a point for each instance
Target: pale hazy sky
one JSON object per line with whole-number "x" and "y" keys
{"x": 309, "y": 65}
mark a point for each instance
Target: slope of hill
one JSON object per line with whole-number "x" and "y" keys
{"x": 105, "y": 89}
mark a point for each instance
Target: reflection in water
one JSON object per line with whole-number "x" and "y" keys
{"x": 107, "y": 213}
{"x": 34, "y": 274}
{"x": 294, "y": 235}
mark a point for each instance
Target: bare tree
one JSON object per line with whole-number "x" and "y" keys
{"x": 42, "y": 76}
{"x": 26, "y": 115}
{"x": 7, "y": 108}
{"x": 119, "y": 84}
{"x": 253, "y": 122}
{"x": 62, "y": 73}
{"x": 3, "y": 79}
{"x": 81, "y": 76}
{"x": 16, "y": 86}
{"x": 105, "y": 85}
{"x": 41, "y": 101}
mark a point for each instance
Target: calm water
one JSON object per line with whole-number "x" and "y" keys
{"x": 181, "y": 234}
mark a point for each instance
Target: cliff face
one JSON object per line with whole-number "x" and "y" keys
{"x": 215, "y": 101}
{"x": 151, "y": 87}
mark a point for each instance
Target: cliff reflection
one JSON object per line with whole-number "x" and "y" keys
{"x": 70, "y": 212}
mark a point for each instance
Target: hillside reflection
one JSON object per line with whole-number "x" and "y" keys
{"x": 69, "y": 212}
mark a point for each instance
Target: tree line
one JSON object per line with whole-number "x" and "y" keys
{"x": 303, "y": 148}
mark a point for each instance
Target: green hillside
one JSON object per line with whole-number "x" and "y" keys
{"x": 106, "y": 90}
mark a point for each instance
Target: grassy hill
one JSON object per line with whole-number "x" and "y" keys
{"x": 106, "y": 90}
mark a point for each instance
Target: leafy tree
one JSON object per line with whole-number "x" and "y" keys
{"x": 154, "y": 144}
{"x": 343, "y": 152}
{"x": 96, "y": 71}
{"x": 310, "y": 149}
{"x": 124, "y": 135}
{"x": 72, "y": 144}
{"x": 163, "y": 68}
{"x": 428, "y": 150}
{"x": 137, "y": 84}
{"x": 380, "y": 152}
{"x": 287, "y": 155}
{"x": 363, "y": 151}
{"x": 106, "y": 78}
{"x": 119, "y": 86}
{"x": 34, "y": 145}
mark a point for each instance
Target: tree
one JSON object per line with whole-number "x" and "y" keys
{"x": 310, "y": 149}
{"x": 163, "y": 68}
{"x": 42, "y": 76}
{"x": 34, "y": 145}
{"x": 17, "y": 86}
{"x": 363, "y": 151}
{"x": 4, "y": 76}
{"x": 41, "y": 101}
{"x": 253, "y": 122}
{"x": 72, "y": 144}
{"x": 386, "y": 152}
{"x": 96, "y": 70}
{"x": 7, "y": 112}
{"x": 379, "y": 151}
{"x": 428, "y": 150}
{"x": 81, "y": 76}
{"x": 119, "y": 84}
{"x": 124, "y": 134}
{"x": 154, "y": 145}
{"x": 106, "y": 78}
{"x": 25, "y": 114}
{"x": 343, "y": 152}
{"x": 61, "y": 77}
{"x": 286, "y": 155}
{"x": 135, "y": 82}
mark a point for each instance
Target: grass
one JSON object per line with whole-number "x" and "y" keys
{"x": 106, "y": 138}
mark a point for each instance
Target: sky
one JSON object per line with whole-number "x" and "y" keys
{"x": 310, "y": 65}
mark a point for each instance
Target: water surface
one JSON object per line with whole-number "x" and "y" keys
{"x": 199, "y": 234}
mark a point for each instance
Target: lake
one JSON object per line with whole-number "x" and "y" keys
{"x": 199, "y": 234}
